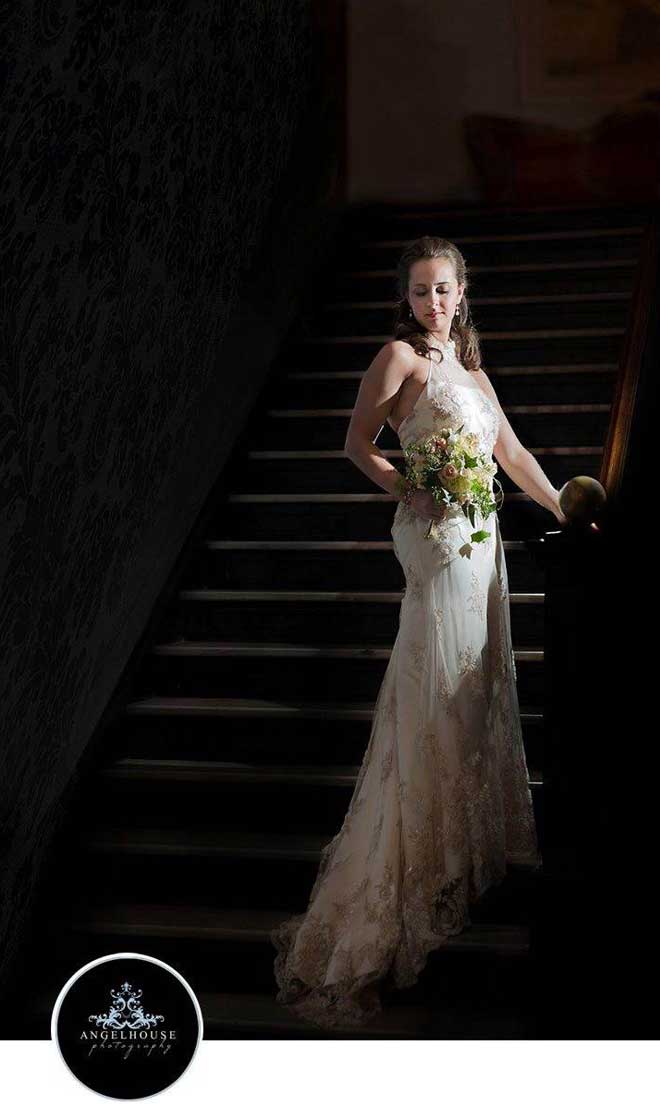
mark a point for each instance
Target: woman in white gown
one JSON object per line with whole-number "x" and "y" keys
{"x": 442, "y": 799}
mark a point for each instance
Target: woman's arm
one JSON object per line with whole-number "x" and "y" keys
{"x": 527, "y": 473}
{"x": 375, "y": 401}
{"x": 518, "y": 463}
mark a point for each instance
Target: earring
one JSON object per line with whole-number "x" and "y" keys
{"x": 456, "y": 312}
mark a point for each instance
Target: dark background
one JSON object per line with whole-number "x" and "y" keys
{"x": 162, "y": 199}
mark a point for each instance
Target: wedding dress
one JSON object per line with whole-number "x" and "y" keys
{"x": 442, "y": 799}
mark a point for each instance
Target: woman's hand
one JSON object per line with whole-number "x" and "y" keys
{"x": 557, "y": 510}
{"x": 424, "y": 506}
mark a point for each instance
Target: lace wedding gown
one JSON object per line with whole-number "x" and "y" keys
{"x": 442, "y": 799}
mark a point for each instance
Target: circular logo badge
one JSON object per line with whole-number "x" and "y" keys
{"x": 127, "y": 1025}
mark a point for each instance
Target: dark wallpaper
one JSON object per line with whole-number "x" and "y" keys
{"x": 142, "y": 146}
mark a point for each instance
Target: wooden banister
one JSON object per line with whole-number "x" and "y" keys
{"x": 624, "y": 399}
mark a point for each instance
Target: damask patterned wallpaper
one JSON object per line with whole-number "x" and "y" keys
{"x": 143, "y": 147}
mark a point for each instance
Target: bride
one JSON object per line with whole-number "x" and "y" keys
{"x": 442, "y": 800}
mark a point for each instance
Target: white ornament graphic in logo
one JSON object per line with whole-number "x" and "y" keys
{"x": 126, "y": 1011}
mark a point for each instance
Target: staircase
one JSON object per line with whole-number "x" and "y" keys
{"x": 234, "y": 763}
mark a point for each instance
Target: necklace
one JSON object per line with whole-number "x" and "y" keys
{"x": 442, "y": 345}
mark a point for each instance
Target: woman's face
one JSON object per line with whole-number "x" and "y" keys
{"x": 434, "y": 293}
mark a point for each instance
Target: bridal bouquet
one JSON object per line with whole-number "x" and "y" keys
{"x": 450, "y": 466}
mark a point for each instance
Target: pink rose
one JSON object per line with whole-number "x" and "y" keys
{"x": 450, "y": 470}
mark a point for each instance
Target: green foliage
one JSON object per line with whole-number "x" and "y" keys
{"x": 426, "y": 463}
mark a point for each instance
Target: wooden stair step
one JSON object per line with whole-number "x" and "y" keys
{"x": 340, "y": 454}
{"x": 255, "y": 925}
{"x": 486, "y": 300}
{"x": 212, "y": 772}
{"x": 208, "y": 842}
{"x": 323, "y": 545}
{"x": 496, "y": 370}
{"x": 354, "y": 498}
{"x": 238, "y": 595}
{"x": 254, "y": 707}
{"x": 508, "y": 408}
{"x": 252, "y": 1012}
{"x": 203, "y": 842}
{"x": 485, "y": 335}
{"x": 578, "y": 264}
{"x": 262, "y": 650}
{"x": 556, "y": 234}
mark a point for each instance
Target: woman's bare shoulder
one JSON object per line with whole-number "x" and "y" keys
{"x": 400, "y": 348}
{"x": 394, "y": 357}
